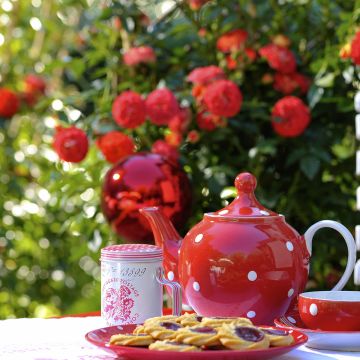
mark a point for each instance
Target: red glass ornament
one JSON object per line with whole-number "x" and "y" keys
{"x": 142, "y": 180}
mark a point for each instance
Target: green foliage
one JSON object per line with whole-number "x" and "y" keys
{"x": 51, "y": 226}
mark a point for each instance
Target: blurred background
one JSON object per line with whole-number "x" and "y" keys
{"x": 66, "y": 63}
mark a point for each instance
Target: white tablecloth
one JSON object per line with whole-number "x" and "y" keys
{"x": 63, "y": 339}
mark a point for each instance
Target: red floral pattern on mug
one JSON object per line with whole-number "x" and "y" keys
{"x": 118, "y": 303}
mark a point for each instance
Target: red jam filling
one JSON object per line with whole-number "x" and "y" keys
{"x": 170, "y": 325}
{"x": 275, "y": 332}
{"x": 249, "y": 334}
{"x": 204, "y": 330}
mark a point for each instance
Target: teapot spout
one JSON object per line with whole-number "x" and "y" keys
{"x": 166, "y": 237}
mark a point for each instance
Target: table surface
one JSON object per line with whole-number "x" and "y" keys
{"x": 63, "y": 339}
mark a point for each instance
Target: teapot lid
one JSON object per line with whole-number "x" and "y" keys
{"x": 245, "y": 204}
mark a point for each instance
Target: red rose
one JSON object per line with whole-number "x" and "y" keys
{"x": 248, "y": 56}
{"x": 202, "y": 32}
{"x": 129, "y": 110}
{"x": 35, "y": 87}
{"x": 355, "y": 49}
{"x": 9, "y": 103}
{"x": 180, "y": 122}
{"x": 205, "y": 75}
{"x": 144, "y": 20}
{"x": 34, "y": 83}
{"x": 71, "y": 144}
{"x": 117, "y": 23}
{"x": 174, "y": 138}
{"x": 115, "y": 145}
{"x": 345, "y": 51}
{"x": 161, "y": 106}
{"x": 303, "y": 82}
{"x": 223, "y": 98}
{"x": 163, "y": 148}
{"x": 138, "y": 55}
{"x": 196, "y": 4}
{"x": 193, "y": 136}
{"x": 232, "y": 41}
{"x": 290, "y": 116}
{"x": 281, "y": 40}
{"x": 285, "y": 83}
{"x": 288, "y": 83}
{"x": 279, "y": 58}
{"x": 267, "y": 78}
{"x": 206, "y": 121}
{"x": 197, "y": 92}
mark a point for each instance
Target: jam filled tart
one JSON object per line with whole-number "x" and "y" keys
{"x": 189, "y": 319}
{"x": 169, "y": 345}
{"x": 278, "y": 337}
{"x": 131, "y": 340}
{"x": 162, "y": 318}
{"x": 198, "y": 335}
{"x": 237, "y": 337}
{"x": 161, "y": 330}
{"x": 219, "y": 321}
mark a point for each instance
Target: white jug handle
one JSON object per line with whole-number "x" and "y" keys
{"x": 350, "y": 242}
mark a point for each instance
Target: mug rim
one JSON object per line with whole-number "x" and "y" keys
{"x": 332, "y": 296}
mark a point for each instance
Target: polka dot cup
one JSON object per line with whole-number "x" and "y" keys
{"x": 330, "y": 310}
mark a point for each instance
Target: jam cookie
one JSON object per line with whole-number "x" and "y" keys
{"x": 237, "y": 337}
{"x": 219, "y": 321}
{"x": 140, "y": 329}
{"x": 162, "y": 318}
{"x": 161, "y": 330}
{"x": 278, "y": 337}
{"x": 131, "y": 340}
{"x": 168, "y": 345}
{"x": 198, "y": 335}
{"x": 189, "y": 319}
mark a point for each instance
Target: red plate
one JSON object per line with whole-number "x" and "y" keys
{"x": 101, "y": 337}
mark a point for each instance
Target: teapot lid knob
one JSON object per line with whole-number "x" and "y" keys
{"x": 245, "y": 204}
{"x": 245, "y": 183}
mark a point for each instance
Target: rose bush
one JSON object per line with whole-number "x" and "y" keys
{"x": 217, "y": 90}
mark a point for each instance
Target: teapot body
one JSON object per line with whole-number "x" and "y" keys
{"x": 253, "y": 268}
{"x": 243, "y": 260}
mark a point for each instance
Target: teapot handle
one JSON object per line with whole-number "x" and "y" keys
{"x": 350, "y": 242}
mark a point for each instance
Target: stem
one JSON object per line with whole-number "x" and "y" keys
{"x": 38, "y": 42}
{"x": 7, "y": 53}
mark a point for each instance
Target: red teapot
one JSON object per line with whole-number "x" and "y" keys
{"x": 243, "y": 260}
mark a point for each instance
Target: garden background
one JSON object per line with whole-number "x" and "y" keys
{"x": 51, "y": 223}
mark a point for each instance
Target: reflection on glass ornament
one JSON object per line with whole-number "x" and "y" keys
{"x": 143, "y": 180}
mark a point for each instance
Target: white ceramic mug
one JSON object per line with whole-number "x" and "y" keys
{"x": 132, "y": 284}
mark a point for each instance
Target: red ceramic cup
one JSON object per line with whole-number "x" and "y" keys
{"x": 330, "y": 310}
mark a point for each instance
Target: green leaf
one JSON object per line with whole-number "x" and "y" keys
{"x": 310, "y": 166}
{"x": 326, "y": 81}
{"x": 314, "y": 95}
